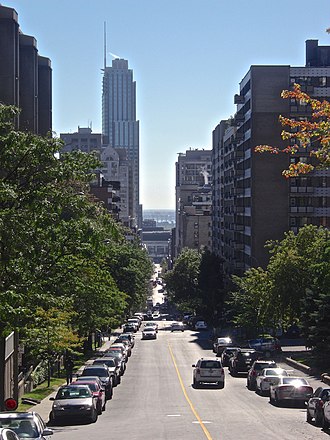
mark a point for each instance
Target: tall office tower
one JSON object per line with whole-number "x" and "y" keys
{"x": 119, "y": 125}
{"x": 254, "y": 203}
{"x": 25, "y": 77}
{"x": 193, "y": 194}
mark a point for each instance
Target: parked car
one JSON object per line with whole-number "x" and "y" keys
{"x": 220, "y": 344}
{"x": 267, "y": 377}
{"x": 255, "y": 370}
{"x": 326, "y": 412}
{"x": 315, "y": 405}
{"x": 226, "y": 354}
{"x": 135, "y": 321}
{"x": 119, "y": 350}
{"x": 201, "y": 325}
{"x": 126, "y": 343}
{"x": 267, "y": 346}
{"x": 8, "y": 434}
{"x": 26, "y": 425}
{"x": 97, "y": 390}
{"x": 102, "y": 371}
{"x": 177, "y": 326}
{"x": 122, "y": 346}
{"x": 120, "y": 359}
{"x": 149, "y": 333}
{"x": 74, "y": 401}
{"x": 129, "y": 337}
{"x": 113, "y": 367}
{"x": 290, "y": 389}
{"x": 242, "y": 360}
{"x": 129, "y": 328}
{"x": 208, "y": 370}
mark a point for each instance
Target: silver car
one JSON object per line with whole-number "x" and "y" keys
{"x": 74, "y": 401}
{"x": 208, "y": 370}
{"x": 149, "y": 333}
{"x": 27, "y": 425}
{"x": 289, "y": 389}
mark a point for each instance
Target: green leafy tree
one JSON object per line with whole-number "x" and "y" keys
{"x": 182, "y": 282}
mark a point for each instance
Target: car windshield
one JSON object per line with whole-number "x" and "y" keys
{"x": 210, "y": 364}
{"x": 91, "y": 385}
{"x": 94, "y": 372}
{"x": 109, "y": 362}
{"x": 73, "y": 393}
{"x": 148, "y": 329}
{"x": 24, "y": 428}
{"x": 296, "y": 381}
{"x": 261, "y": 366}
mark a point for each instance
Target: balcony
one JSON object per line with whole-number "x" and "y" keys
{"x": 239, "y": 99}
{"x": 302, "y": 209}
{"x": 302, "y": 189}
{"x": 239, "y": 117}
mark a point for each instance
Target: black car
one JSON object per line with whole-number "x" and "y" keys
{"x": 242, "y": 360}
{"x": 227, "y": 353}
{"x": 101, "y": 371}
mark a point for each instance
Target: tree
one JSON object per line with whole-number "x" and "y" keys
{"x": 182, "y": 281}
{"x": 211, "y": 287}
{"x": 312, "y": 134}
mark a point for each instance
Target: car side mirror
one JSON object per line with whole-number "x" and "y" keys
{"x": 47, "y": 431}
{"x": 52, "y": 398}
{"x": 193, "y": 365}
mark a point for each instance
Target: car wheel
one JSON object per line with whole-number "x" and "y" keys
{"x": 309, "y": 417}
{"x": 318, "y": 419}
{"x": 94, "y": 416}
{"x": 99, "y": 408}
{"x": 278, "y": 402}
{"x": 221, "y": 384}
{"x": 195, "y": 383}
{"x": 325, "y": 424}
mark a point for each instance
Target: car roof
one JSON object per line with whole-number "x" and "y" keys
{"x": 16, "y": 414}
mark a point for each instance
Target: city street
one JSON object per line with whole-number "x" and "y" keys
{"x": 156, "y": 400}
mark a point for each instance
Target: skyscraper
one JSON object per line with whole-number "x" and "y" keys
{"x": 119, "y": 125}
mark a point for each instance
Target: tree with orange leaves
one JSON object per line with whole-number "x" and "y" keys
{"x": 313, "y": 134}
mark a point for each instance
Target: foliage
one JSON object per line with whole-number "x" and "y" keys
{"x": 182, "y": 281}
{"x": 312, "y": 135}
{"x": 287, "y": 290}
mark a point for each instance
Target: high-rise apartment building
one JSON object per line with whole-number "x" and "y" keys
{"x": 193, "y": 200}
{"x": 119, "y": 124}
{"x": 25, "y": 76}
{"x": 252, "y": 201}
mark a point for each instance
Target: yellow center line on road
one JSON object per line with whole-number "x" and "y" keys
{"x": 206, "y": 432}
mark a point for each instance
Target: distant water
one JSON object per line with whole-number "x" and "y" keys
{"x": 160, "y": 215}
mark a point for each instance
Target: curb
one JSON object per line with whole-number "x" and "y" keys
{"x": 305, "y": 369}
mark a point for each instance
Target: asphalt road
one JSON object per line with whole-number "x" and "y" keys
{"x": 156, "y": 401}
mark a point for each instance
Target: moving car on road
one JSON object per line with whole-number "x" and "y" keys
{"x": 201, "y": 325}
{"x": 177, "y": 326}
{"x": 227, "y": 353}
{"x": 242, "y": 360}
{"x": 290, "y": 389}
{"x": 208, "y": 370}
{"x": 149, "y": 333}
{"x": 74, "y": 401}
{"x": 26, "y": 425}
{"x": 220, "y": 344}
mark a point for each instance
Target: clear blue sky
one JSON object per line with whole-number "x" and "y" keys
{"x": 188, "y": 57}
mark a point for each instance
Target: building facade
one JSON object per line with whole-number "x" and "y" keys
{"x": 193, "y": 200}
{"x": 25, "y": 76}
{"x": 253, "y": 203}
{"x": 120, "y": 127}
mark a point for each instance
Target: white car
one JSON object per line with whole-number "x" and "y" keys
{"x": 290, "y": 389}
{"x": 267, "y": 377}
{"x": 200, "y": 325}
{"x": 152, "y": 324}
{"x": 177, "y": 326}
{"x": 149, "y": 333}
{"x": 208, "y": 370}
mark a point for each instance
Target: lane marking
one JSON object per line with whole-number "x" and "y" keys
{"x": 173, "y": 415}
{"x": 199, "y": 420}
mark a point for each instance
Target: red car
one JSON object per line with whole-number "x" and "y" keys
{"x": 97, "y": 391}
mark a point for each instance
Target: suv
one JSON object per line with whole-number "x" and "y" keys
{"x": 242, "y": 360}
{"x": 256, "y": 370}
{"x": 102, "y": 371}
{"x": 208, "y": 370}
{"x": 26, "y": 425}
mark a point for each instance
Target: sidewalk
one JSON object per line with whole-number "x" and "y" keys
{"x": 44, "y": 407}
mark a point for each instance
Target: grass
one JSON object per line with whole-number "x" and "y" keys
{"x": 40, "y": 392}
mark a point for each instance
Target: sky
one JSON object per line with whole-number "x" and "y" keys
{"x": 188, "y": 58}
